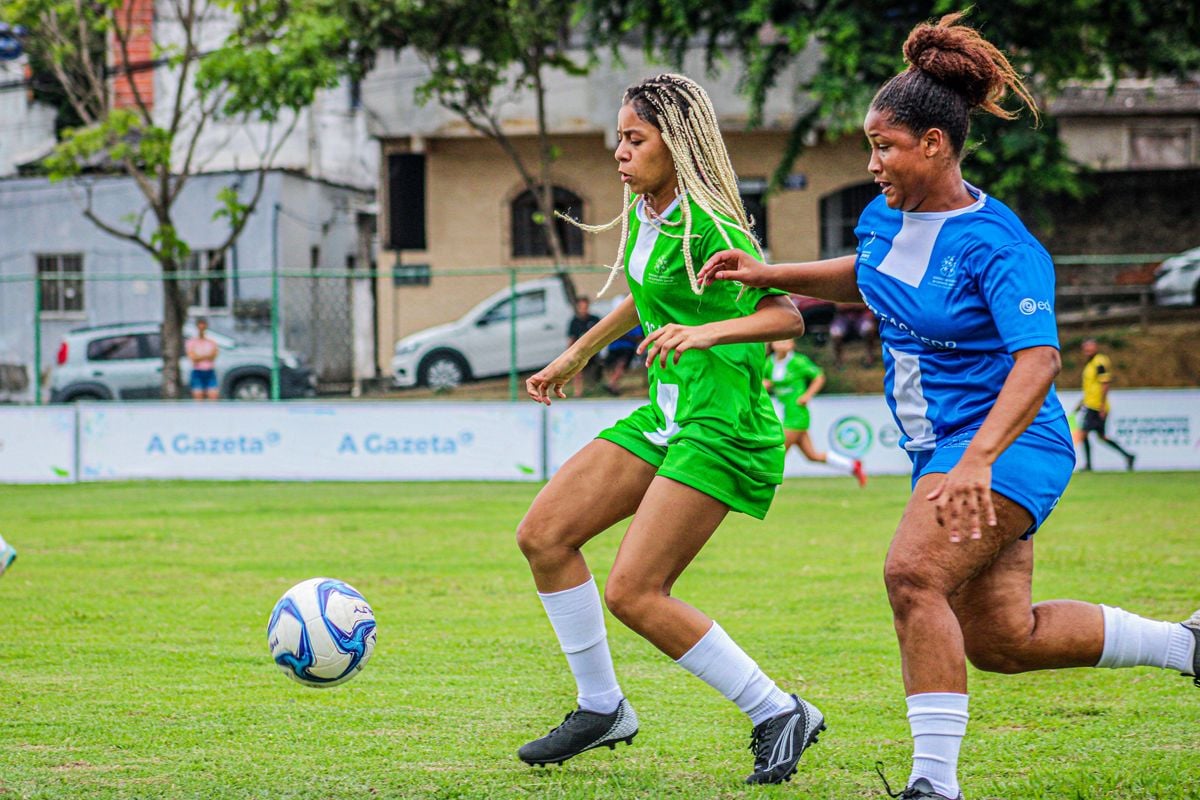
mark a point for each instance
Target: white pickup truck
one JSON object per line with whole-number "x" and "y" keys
{"x": 477, "y": 344}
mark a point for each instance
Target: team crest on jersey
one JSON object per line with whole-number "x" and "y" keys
{"x": 947, "y": 274}
{"x": 660, "y": 272}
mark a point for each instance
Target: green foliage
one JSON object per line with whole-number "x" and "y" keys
{"x": 280, "y": 55}
{"x": 860, "y": 48}
{"x": 135, "y": 658}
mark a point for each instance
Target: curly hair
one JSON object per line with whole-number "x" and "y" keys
{"x": 952, "y": 71}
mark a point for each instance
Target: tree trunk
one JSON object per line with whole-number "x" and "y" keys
{"x": 174, "y": 315}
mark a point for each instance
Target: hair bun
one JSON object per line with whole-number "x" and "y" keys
{"x": 952, "y": 55}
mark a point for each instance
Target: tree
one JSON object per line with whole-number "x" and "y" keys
{"x": 478, "y": 50}
{"x": 860, "y": 47}
{"x": 96, "y": 52}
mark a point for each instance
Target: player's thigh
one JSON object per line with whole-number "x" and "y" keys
{"x": 791, "y": 438}
{"x": 595, "y": 489}
{"x": 996, "y": 603}
{"x": 922, "y": 556}
{"x": 672, "y": 524}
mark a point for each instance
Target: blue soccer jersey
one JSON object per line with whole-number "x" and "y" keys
{"x": 956, "y": 293}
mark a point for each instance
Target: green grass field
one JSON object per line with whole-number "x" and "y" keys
{"x": 133, "y": 657}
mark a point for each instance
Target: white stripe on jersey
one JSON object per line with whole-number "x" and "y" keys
{"x": 912, "y": 410}
{"x": 908, "y": 259}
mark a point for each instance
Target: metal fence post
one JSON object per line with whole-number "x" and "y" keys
{"x": 512, "y": 335}
{"x": 37, "y": 341}
{"x": 275, "y": 303}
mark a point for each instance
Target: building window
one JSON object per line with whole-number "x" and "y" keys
{"x": 528, "y": 232}
{"x": 839, "y": 215}
{"x": 209, "y": 289}
{"x": 60, "y": 279}
{"x": 753, "y": 192}
{"x": 1160, "y": 148}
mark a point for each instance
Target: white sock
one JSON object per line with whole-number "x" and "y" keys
{"x": 938, "y": 721}
{"x": 1133, "y": 641}
{"x": 718, "y": 661}
{"x": 839, "y": 461}
{"x": 578, "y": 620}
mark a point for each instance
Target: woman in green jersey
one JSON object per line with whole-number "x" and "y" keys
{"x": 707, "y": 442}
{"x": 794, "y": 380}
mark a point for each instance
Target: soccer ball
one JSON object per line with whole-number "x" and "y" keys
{"x": 321, "y": 632}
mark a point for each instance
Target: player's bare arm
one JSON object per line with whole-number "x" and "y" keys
{"x": 559, "y": 372}
{"x": 830, "y": 279}
{"x": 774, "y": 318}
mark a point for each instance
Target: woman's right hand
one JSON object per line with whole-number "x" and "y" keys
{"x": 735, "y": 265}
{"x": 553, "y": 377}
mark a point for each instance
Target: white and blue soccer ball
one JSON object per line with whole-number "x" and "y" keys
{"x": 321, "y": 632}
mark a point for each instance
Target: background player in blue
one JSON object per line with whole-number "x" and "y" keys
{"x": 965, "y": 301}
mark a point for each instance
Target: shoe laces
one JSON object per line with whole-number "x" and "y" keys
{"x": 909, "y": 793}
{"x": 759, "y": 737}
{"x": 566, "y": 723}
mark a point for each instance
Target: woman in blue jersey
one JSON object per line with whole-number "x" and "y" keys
{"x": 964, "y": 296}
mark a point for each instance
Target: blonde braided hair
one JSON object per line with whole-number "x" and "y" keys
{"x": 683, "y": 113}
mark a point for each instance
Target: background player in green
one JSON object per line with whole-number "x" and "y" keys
{"x": 707, "y": 442}
{"x": 795, "y": 379}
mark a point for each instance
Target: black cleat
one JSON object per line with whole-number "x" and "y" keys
{"x": 1193, "y": 625}
{"x": 1129, "y": 459}
{"x": 581, "y": 731}
{"x": 920, "y": 789}
{"x": 778, "y": 742}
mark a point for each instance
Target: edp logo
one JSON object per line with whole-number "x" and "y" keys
{"x": 1029, "y": 306}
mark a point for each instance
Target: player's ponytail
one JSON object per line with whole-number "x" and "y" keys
{"x": 952, "y": 71}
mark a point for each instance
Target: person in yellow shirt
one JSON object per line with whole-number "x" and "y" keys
{"x": 1097, "y": 377}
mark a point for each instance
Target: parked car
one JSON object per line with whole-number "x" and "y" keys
{"x": 124, "y": 362}
{"x": 1177, "y": 280}
{"x": 477, "y": 344}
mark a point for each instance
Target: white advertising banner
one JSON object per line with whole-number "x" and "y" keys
{"x": 1161, "y": 427}
{"x": 856, "y": 426}
{"x": 572, "y": 424}
{"x": 37, "y": 445}
{"x": 311, "y": 441}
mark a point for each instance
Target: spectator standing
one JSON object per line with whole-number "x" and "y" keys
{"x": 202, "y": 352}
{"x": 850, "y": 322}
{"x": 583, "y": 321}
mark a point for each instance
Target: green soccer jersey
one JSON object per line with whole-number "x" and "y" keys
{"x": 710, "y": 423}
{"x": 790, "y": 378}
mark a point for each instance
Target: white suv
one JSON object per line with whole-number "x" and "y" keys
{"x": 477, "y": 345}
{"x": 124, "y": 362}
{"x": 1177, "y": 280}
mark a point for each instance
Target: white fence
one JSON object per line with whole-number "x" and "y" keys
{"x": 461, "y": 441}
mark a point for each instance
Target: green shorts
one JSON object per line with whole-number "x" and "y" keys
{"x": 795, "y": 418}
{"x": 713, "y": 462}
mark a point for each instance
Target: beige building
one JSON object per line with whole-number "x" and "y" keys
{"x": 451, "y": 201}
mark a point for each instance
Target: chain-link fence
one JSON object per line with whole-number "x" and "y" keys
{"x": 68, "y": 333}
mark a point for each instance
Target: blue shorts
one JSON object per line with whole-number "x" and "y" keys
{"x": 1033, "y": 472}
{"x": 204, "y": 380}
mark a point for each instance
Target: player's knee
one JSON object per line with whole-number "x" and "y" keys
{"x": 626, "y": 599}
{"x": 994, "y": 643}
{"x": 994, "y": 654}
{"x": 908, "y": 583}
{"x": 537, "y": 536}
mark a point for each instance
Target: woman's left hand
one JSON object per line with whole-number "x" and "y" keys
{"x": 963, "y": 500}
{"x": 677, "y": 339}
